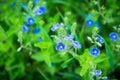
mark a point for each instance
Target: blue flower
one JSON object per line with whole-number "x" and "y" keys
{"x": 36, "y": 30}
{"x": 89, "y": 22}
{"x": 30, "y": 21}
{"x": 69, "y": 37}
{"x": 25, "y": 28}
{"x": 113, "y": 36}
{"x": 55, "y": 27}
{"x": 60, "y": 46}
{"x": 94, "y": 52}
{"x": 100, "y": 39}
{"x": 76, "y": 44}
{"x": 106, "y": 78}
{"x": 98, "y": 72}
{"x": 41, "y": 10}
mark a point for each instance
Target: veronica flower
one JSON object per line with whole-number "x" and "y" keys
{"x": 25, "y": 28}
{"x": 36, "y": 30}
{"x": 41, "y": 10}
{"x": 30, "y": 21}
{"x": 69, "y": 37}
{"x": 94, "y": 52}
{"x": 60, "y": 46}
{"x": 100, "y": 39}
{"x": 98, "y": 72}
{"x": 55, "y": 27}
{"x": 89, "y": 22}
{"x": 76, "y": 44}
{"x": 113, "y": 36}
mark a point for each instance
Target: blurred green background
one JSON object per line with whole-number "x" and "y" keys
{"x": 38, "y": 60}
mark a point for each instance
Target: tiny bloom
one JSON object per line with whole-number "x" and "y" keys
{"x": 30, "y": 21}
{"x": 113, "y": 36}
{"x": 40, "y": 39}
{"x": 100, "y": 39}
{"x": 41, "y": 10}
{"x": 98, "y": 72}
{"x": 55, "y": 27}
{"x": 25, "y": 28}
{"x": 89, "y": 22}
{"x": 60, "y": 46}
{"x": 76, "y": 44}
{"x": 36, "y": 30}
{"x": 94, "y": 52}
{"x": 68, "y": 37}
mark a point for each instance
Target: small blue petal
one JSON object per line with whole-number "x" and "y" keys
{"x": 36, "y": 30}
{"x": 113, "y": 36}
{"x": 89, "y": 22}
{"x": 41, "y": 10}
{"x": 94, "y": 52}
{"x": 69, "y": 37}
{"x": 25, "y": 28}
{"x": 60, "y": 46}
{"x": 76, "y": 44}
{"x": 98, "y": 72}
{"x": 55, "y": 27}
{"x": 100, "y": 39}
{"x": 30, "y": 21}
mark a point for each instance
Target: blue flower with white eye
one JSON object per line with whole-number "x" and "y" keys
{"x": 36, "y": 30}
{"x": 94, "y": 52}
{"x": 98, "y": 72}
{"x": 113, "y": 36}
{"x": 25, "y": 28}
{"x": 100, "y": 39}
{"x": 68, "y": 37}
{"x": 76, "y": 44}
{"x": 41, "y": 10}
{"x": 55, "y": 27}
{"x": 60, "y": 46}
{"x": 89, "y": 22}
{"x": 30, "y": 21}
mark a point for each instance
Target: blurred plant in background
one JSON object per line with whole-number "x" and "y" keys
{"x": 59, "y": 39}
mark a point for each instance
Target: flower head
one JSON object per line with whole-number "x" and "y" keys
{"x": 89, "y": 22}
{"x": 76, "y": 44}
{"x": 60, "y": 46}
{"x": 30, "y": 21}
{"x": 69, "y": 37}
{"x": 113, "y": 36}
{"x": 25, "y": 28}
{"x": 98, "y": 72}
{"x": 100, "y": 39}
{"x": 94, "y": 52}
{"x": 55, "y": 27}
{"x": 36, "y": 30}
{"x": 41, "y": 10}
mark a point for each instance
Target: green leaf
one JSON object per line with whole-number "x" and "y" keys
{"x": 43, "y": 44}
